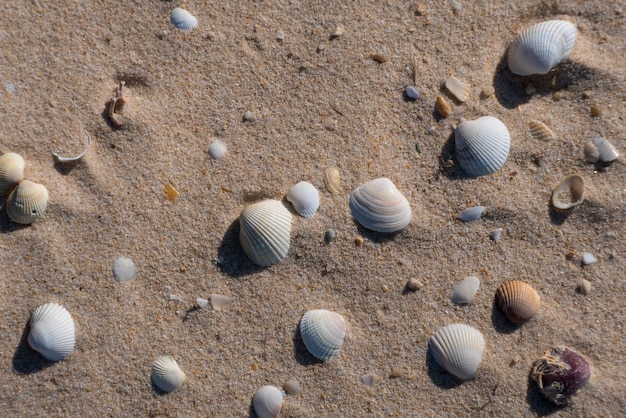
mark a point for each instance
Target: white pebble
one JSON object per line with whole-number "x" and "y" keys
{"x": 412, "y": 93}
{"x": 589, "y": 258}
{"x": 495, "y": 235}
{"x": 217, "y": 150}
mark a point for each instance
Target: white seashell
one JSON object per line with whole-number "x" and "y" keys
{"x": 379, "y": 206}
{"x": 27, "y": 202}
{"x": 332, "y": 180}
{"x": 182, "y": 19}
{"x": 217, "y": 150}
{"x": 471, "y": 214}
{"x": 202, "y": 303}
{"x": 305, "y": 199}
{"x": 495, "y": 235}
{"x": 458, "y": 348}
{"x": 124, "y": 269}
{"x": 166, "y": 374}
{"x": 52, "y": 331}
{"x": 589, "y": 258}
{"x": 220, "y": 301}
{"x": 291, "y": 387}
{"x": 265, "y": 232}
{"x": 606, "y": 150}
{"x": 322, "y": 332}
{"x": 540, "y": 131}
{"x": 482, "y": 145}
{"x": 458, "y": 89}
{"x": 592, "y": 153}
{"x": 267, "y": 402}
{"x": 465, "y": 291}
{"x": 541, "y": 47}
{"x": 78, "y": 157}
{"x": 11, "y": 171}
{"x": 569, "y": 193}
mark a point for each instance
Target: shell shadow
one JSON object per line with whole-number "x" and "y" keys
{"x": 65, "y": 168}
{"x": 231, "y": 258}
{"x": 500, "y": 322}
{"x": 300, "y": 352}
{"x": 558, "y": 217}
{"x": 538, "y": 403}
{"x": 439, "y": 375}
{"x": 377, "y": 237}
{"x": 107, "y": 118}
{"x": 25, "y": 359}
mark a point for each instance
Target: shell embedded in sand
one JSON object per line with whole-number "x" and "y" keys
{"x": 332, "y": 180}
{"x": 322, "y": 332}
{"x": 518, "y": 300}
{"x": 11, "y": 171}
{"x": 267, "y": 402}
{"x": 378, "y": 205}
{"x": 569, "y": 193}
{"x": 458, "y": 348}
{"x": 182, "y": 19}
{"x": 27, "y": 202}
{"x": 52, "y": 331}
{"x": 305, "y": 199}
{"x": 482, "y": 145}
{"x": 560, "y": 374}
{"x": 457, "y": 88}
{"x": 166, "y": 374}
{"x": 265, "y": 232}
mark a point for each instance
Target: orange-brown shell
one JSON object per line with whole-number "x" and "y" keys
{"x": 518, "y": 300}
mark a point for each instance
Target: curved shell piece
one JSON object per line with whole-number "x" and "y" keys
{"x": 541, "y": 47}
{"x": 76, "y": 158}
{"x": 52, "y": 331}
{"x": 182, "y": 19}
{"x": 332, "y": 180}
{"x": 267, "y": 402}
{"x": 322, "y": 332}
{"x": 379, "y": 206}
{"x": 606, "y": 150}
{"x": 457, "y": 88}
{"x": 465, "y": 291}
{"x": 27, "y": 202}
{"x": 458, "y": 348}
{"x": 569, "y": 193}
{"x": 517, "y": 300}
{"x": 166, "y": 374}
{"x": 305, "y": 198}
{"x": 561, "y": 373}
{"x": 265, "y": 232}
{"x": 482, "y": 145}
{"x": 540, "y": 131}
{"x": 11, "y": 171}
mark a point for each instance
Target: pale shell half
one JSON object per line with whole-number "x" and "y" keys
{"x": 267, "y": 402}
{"x": 569, "y": 193}
{"x": 182, "y": 19}
{"x": 482, "y": 145}
{"x": 323, "y": 333}
{"x": 305, "y": 199}
{"x": 11, "y": 171}
{"x": 52, "y": 331}
{"x": 458, "y": 348}
{"x": 378, "y": 205}
{"x": 265, "y": 232}
{"x": 166, "y": 374}
{"x": 27, "y": 202}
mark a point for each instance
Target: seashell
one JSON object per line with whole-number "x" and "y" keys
{"x": 379, "y": 206}
{"x": 471, "y": 214}
{"x": 52, "y": 331}
{"x": 27, "y": 202}
{"x": 518, "y": 301}
{"x": 495, "y": 235}
{"x": 76, "y": 158}
{"x": 332, "y": 180}
{"x": 267, "y": 402}
{"x": 561, "y": 373}
{"x": 589, "y": 258}
{"x": 182, "y": 19}
{"x": 569, "y": 193}
{"x": 541, "y": 47}
{"x": 442, "y": 107}
{"x": 265, "y": 232}
{"x": 202, "y": 303}
{"x": 217, "y": 150}
{"x": 540, "y": 131}
{"x": 11, "y": 171}
{"x": 322, "y": 332}
{"x": 220, "y": 301}
{"x": 124, "y": 269}
{"x": 458, "y": 348}
{"x": 465, "y": 291}
{"x": 459, "y": 90}
{"x": 305, "y": 198}
{"x": 482, "y": 145}
{"x": 592, "y": 153}
{"x": 369, "y": 379}
{"x": 166, "y": 374}
{"x": 606, "y": 150}
{"x": 584, "y": 288}
{"x": 291, "y": 387}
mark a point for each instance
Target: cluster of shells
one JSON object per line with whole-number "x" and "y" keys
{"x": 27, "y": 200}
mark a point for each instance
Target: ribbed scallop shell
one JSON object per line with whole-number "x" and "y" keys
{"x": 265, "y": 232}
{"x": 267, "y": 402}
{"x": 11, "y": 171}
{"x": 518, "y": 301}
{"x": 182, "y": 19}
{"x": 379, "y": 206}
{"x": 52, "y": 331}
{"x": 569, "y": 193}
{"x": 166, "y": 374}
{"x": 27, "y": 202}
{"x": 322, "y": 332}
{"x": 541, "y": 47}
{"x": 305, "y": 198}
{"x": 124, "y": 269}
{"x": 482, "y": 145}
{"x": 458, "y": 348}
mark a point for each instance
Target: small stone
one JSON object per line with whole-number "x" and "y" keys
{"x": 412, "y": 93}
{"x": 337, "y": 32}
{"x": 589, "y": 258}
{"x": 584, "y": 288}
{"x": 414, "y": 284}
{"x": 595, "y": 111}
{"x": 248, "y": 116}
{"x": 358, "y": 241}
{"x": 329, "y": 236}
{"x": 557, "y": 95}
{"x": 291, "y": 387}
{"x": 487, "y": 91}
{"x": 397, "y": 372}
{"x": 420, "y": 9}
{"x": 171, "y": 192}
{"x": 369, "y": 379}
{"x": 442, "y": 107}
{"x": 379, "y": 58}
{"x": 217, "y": 150}
{"x": 280, "y": 35}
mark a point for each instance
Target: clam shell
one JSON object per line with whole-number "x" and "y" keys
{"x": 52, "y": 331}
{"x": 540, "y": 131}
{"x": 267, "y": 402}
{"x": 217, "y": 150}
{"x": 166, "y": 374}
{"x": 471, "y": 214}
{"x": 27, "y": 202}
{"x": 458, "y": 348}
{"x": 11, "y": 171}
{"x": 457, "y": 88}
{"x": 332, "y": 180}
{"x": 379, "y": 206}
{"x": 606, "y": 150}
{"x": 265, "y": 232}
{"x": 305, "y": 199}
{"x": 182, "y": 19}
{"x": 124, "y": 269}
{"x": 541, "y": 47}
{"x": 518, "y": 301}
{"x": 465, "y": 291}
{"x": 569, "y": 193}
{"x": 482, "y": 145}
{"x": 560, "y": 374}
{"x": 322, "y": 332}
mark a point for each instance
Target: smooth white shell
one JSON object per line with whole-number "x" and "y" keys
{"x": 322, "y": 332}
{"x": 606, "y": 150}
{"x": 166, "y": 374}
{"x": 569, "y": 193}
{"x": 305, "y": 199}
{"x": 11, "y": 171}
{"x": 465, "y": 291}
{"x": 182, "y": 19}
{"x": 52, "y": 331}
{"x": 541, "y": 47}
{"x": 124, "y": 269}
{"x": 458, "y": 348}
{"x": 265, "y": 232}
{"x": 482, "y": 145}
{"x": 267, "y": 402}
{"x": 217, "y": 150}
{"x": 27, "y": 202}
{"x": 379, "y": 206}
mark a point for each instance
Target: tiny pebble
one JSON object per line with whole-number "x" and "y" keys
{"x": 10, "y": 87}
{"x": 589, "y": 258}
{"x": 217, "y": 150}
{"x": 431, "y": 129}
{"x": 412, "y": 93}
{"x": 595, "y": 111}
{"x": 397, "y": 372}
{"x": 379, "y": 58}
{"x": 369, "y": 379}
{"x": 329, "y": 236}
{"x": 488, "y": 91}
{"x": 442, "y": 107}
{"x": 358, "y": 241}
{"x": 495, "y": 235}
{"x": 471, "y": 214}
{"x": 247, "y": 117}
{"x": 584, "y": 288}
{"x": 280, "y": 35}
{"x": 291, "y": 387}
{"x": 176, "y": 298}
{"x": 414, "y": 284}
{"x": 557, "y": 95}
{"x": 457, "y": 7}
{"x": 337, "y": 32}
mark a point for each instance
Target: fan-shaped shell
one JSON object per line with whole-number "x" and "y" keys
{"x": 322, "y": 332}
{"x": 541, "y": 47}
{"x": 265, "y": 232}
{"x": 379, "y": 206}
{"x": 267, "y": 402}
{"x": 482, "y": 145}
{"x": 540, "y": 131}
{"x": 166, "y": 374}
{"x": 11, "y": 171}
{"x": 465, "y": 291}
{"x": 518, "y": 300}
{"x": 569, "y": 193}
{"x": 182, "y": 19}
{"x": 52, "y": 331}
{"x": 458, "y": 348}
{"x": 124, "y": 269}
{"x": 27, "y": 202}
{"x": 305, "y": 198}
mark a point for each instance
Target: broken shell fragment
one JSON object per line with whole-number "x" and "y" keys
{"x": 378, "y": 205}
{"x": 166, "y": 374}
{"x": 569, "y": 193}
{"x": 442, "y": 107}
{"x": 471, "y": 214}
{"x": 592, "y": 153}
{"x": 606, "y": 150}
{"x": 495, "y": 235}
{"x": 322, "y": 332}
{"x": 52, "y": 331}
{"x": 267, "y": 402}
{"x": 465, "y": 291}
{"x": 217, "y": 150}
{"x": 305, "y": 199}
{"x": 11, "y": 171}
{"x": 540, "y": 131}
{"x": 220, "y": 301}
{"x": 517, "y": 300}
{"x": 459, "y": 90}
{"x": 332, "y": 180}
{"x": 458, "y": 348}
{"x": 265, "y": 232}
{"x": 78, "y": 157}
{"x": 182, "y": 19}
{"x": 124, "y": 269}
{"x": 27, "y": 202}
{"x": 482, "y": 145}
{"x": 560, "y": 373}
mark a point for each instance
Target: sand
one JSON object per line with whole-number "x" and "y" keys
{"x": 314, "y": 102}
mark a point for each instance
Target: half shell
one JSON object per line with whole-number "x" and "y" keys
{"x": 265, "y": 232}
{"x": 561, "y": 373}
{"x": 166, "y": 374}
{"x": 124, "y": 269}
{"x": 322, "y": 332}
{"x": 517, "y": 300}
{"x": 606, "y": 150}
{"x": 465, "y": 291}
{"x": 182, "y": 19}
{"x": 569, "y": 193}
{"x": 458, "y": 348}
{"x": 332, "y": 180}
{"x": 52, "y": 331}
{"x": 305, "y": 198}
{"x": 540, "y": 131}
{"x": 379, "y": 206}
{"x": 27, "y": 202}
{"x": 267, "y": 402}
{"x": 11, "y": 171}
{"x": 482, "y": 145}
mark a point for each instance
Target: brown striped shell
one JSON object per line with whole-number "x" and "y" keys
{"x": 518, "y": 301}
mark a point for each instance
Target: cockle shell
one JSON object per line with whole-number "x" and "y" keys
{"x": 541, "y": 47}
{"x": 124, "y": 269}
{"x": 517, "y": 300}
{"x": 182, "y": 19}
{"x": 166, "y": 374}
{"x": 267, "y": 402}
{"x": 482, "y": 145}
{"x": 561, "y": 373}
{"x": 27, "y": 202}
{"x": 11, "y": 171}
{"x": 322, "y": 332}
{"x": 379, "y": 206}
{"x": 569, "y": 193}
{"x": 332, "y": 180}
{"x": 52, "y": 331}
{"x": 458, "y": 348}
{"x": 305, "y": 198}
{"x": 265, "y": 232}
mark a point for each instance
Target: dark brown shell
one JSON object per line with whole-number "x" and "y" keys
{"x": 518, "y": 301}
{"x": 560, "y": 373}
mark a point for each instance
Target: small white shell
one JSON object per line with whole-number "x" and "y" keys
{"x": 458, "y": 89}
{"x": 458, "y": 348}
{"x": 465, "y": 291}
{"x": 27, "y": 202}
{"x": 541, "y": 47}
{"x": 569, "y": 193}
{"x": 182, "y": 19}
{"x": 267, "y": 402}
{"x": 52, "y": 331}
{"x": 11, "y": 171}
{"x": 166, "y": 374}
{"x": 217, "y": 150}
{"x": 305, "y": 198}
{"x": 482, "y": 145}
{"x": 124, "y": 269}
{"x": 471, "y": 214}
{"x": 322, "y": 332}
{"x": 540, "y": 131}
{"x": 606, "y": 150}
{"x": 265, "y": 232}
{"x": 589, "y": 258}
{"x": 76, "y": 158}
{"x": 495, "y": 235}
{"x": 379, "y": 206}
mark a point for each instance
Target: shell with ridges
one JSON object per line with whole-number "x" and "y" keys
{"x": 267, "y": 402}
{"x": 305, "y": 198}
{"x": 166, "y": 374}
{"x": 322, "y": 332}
{"x": 569, "y": 193}
{"x": 457, "y": 88}
{"x": 11, "y": 171}
{"x": 27, "y": 202}
{"x": 265, "y": 232}
{"x": 182, "y": 19}
{"x": 517, "y": 300}
{"x": 482, "y": 145}
{"x": 458, "y": 348}
{"x": 332, "y": 180}
{"x": 52, "y": 331}
{"x": 540, "y": 131}
{"x": 378, "y": 205}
